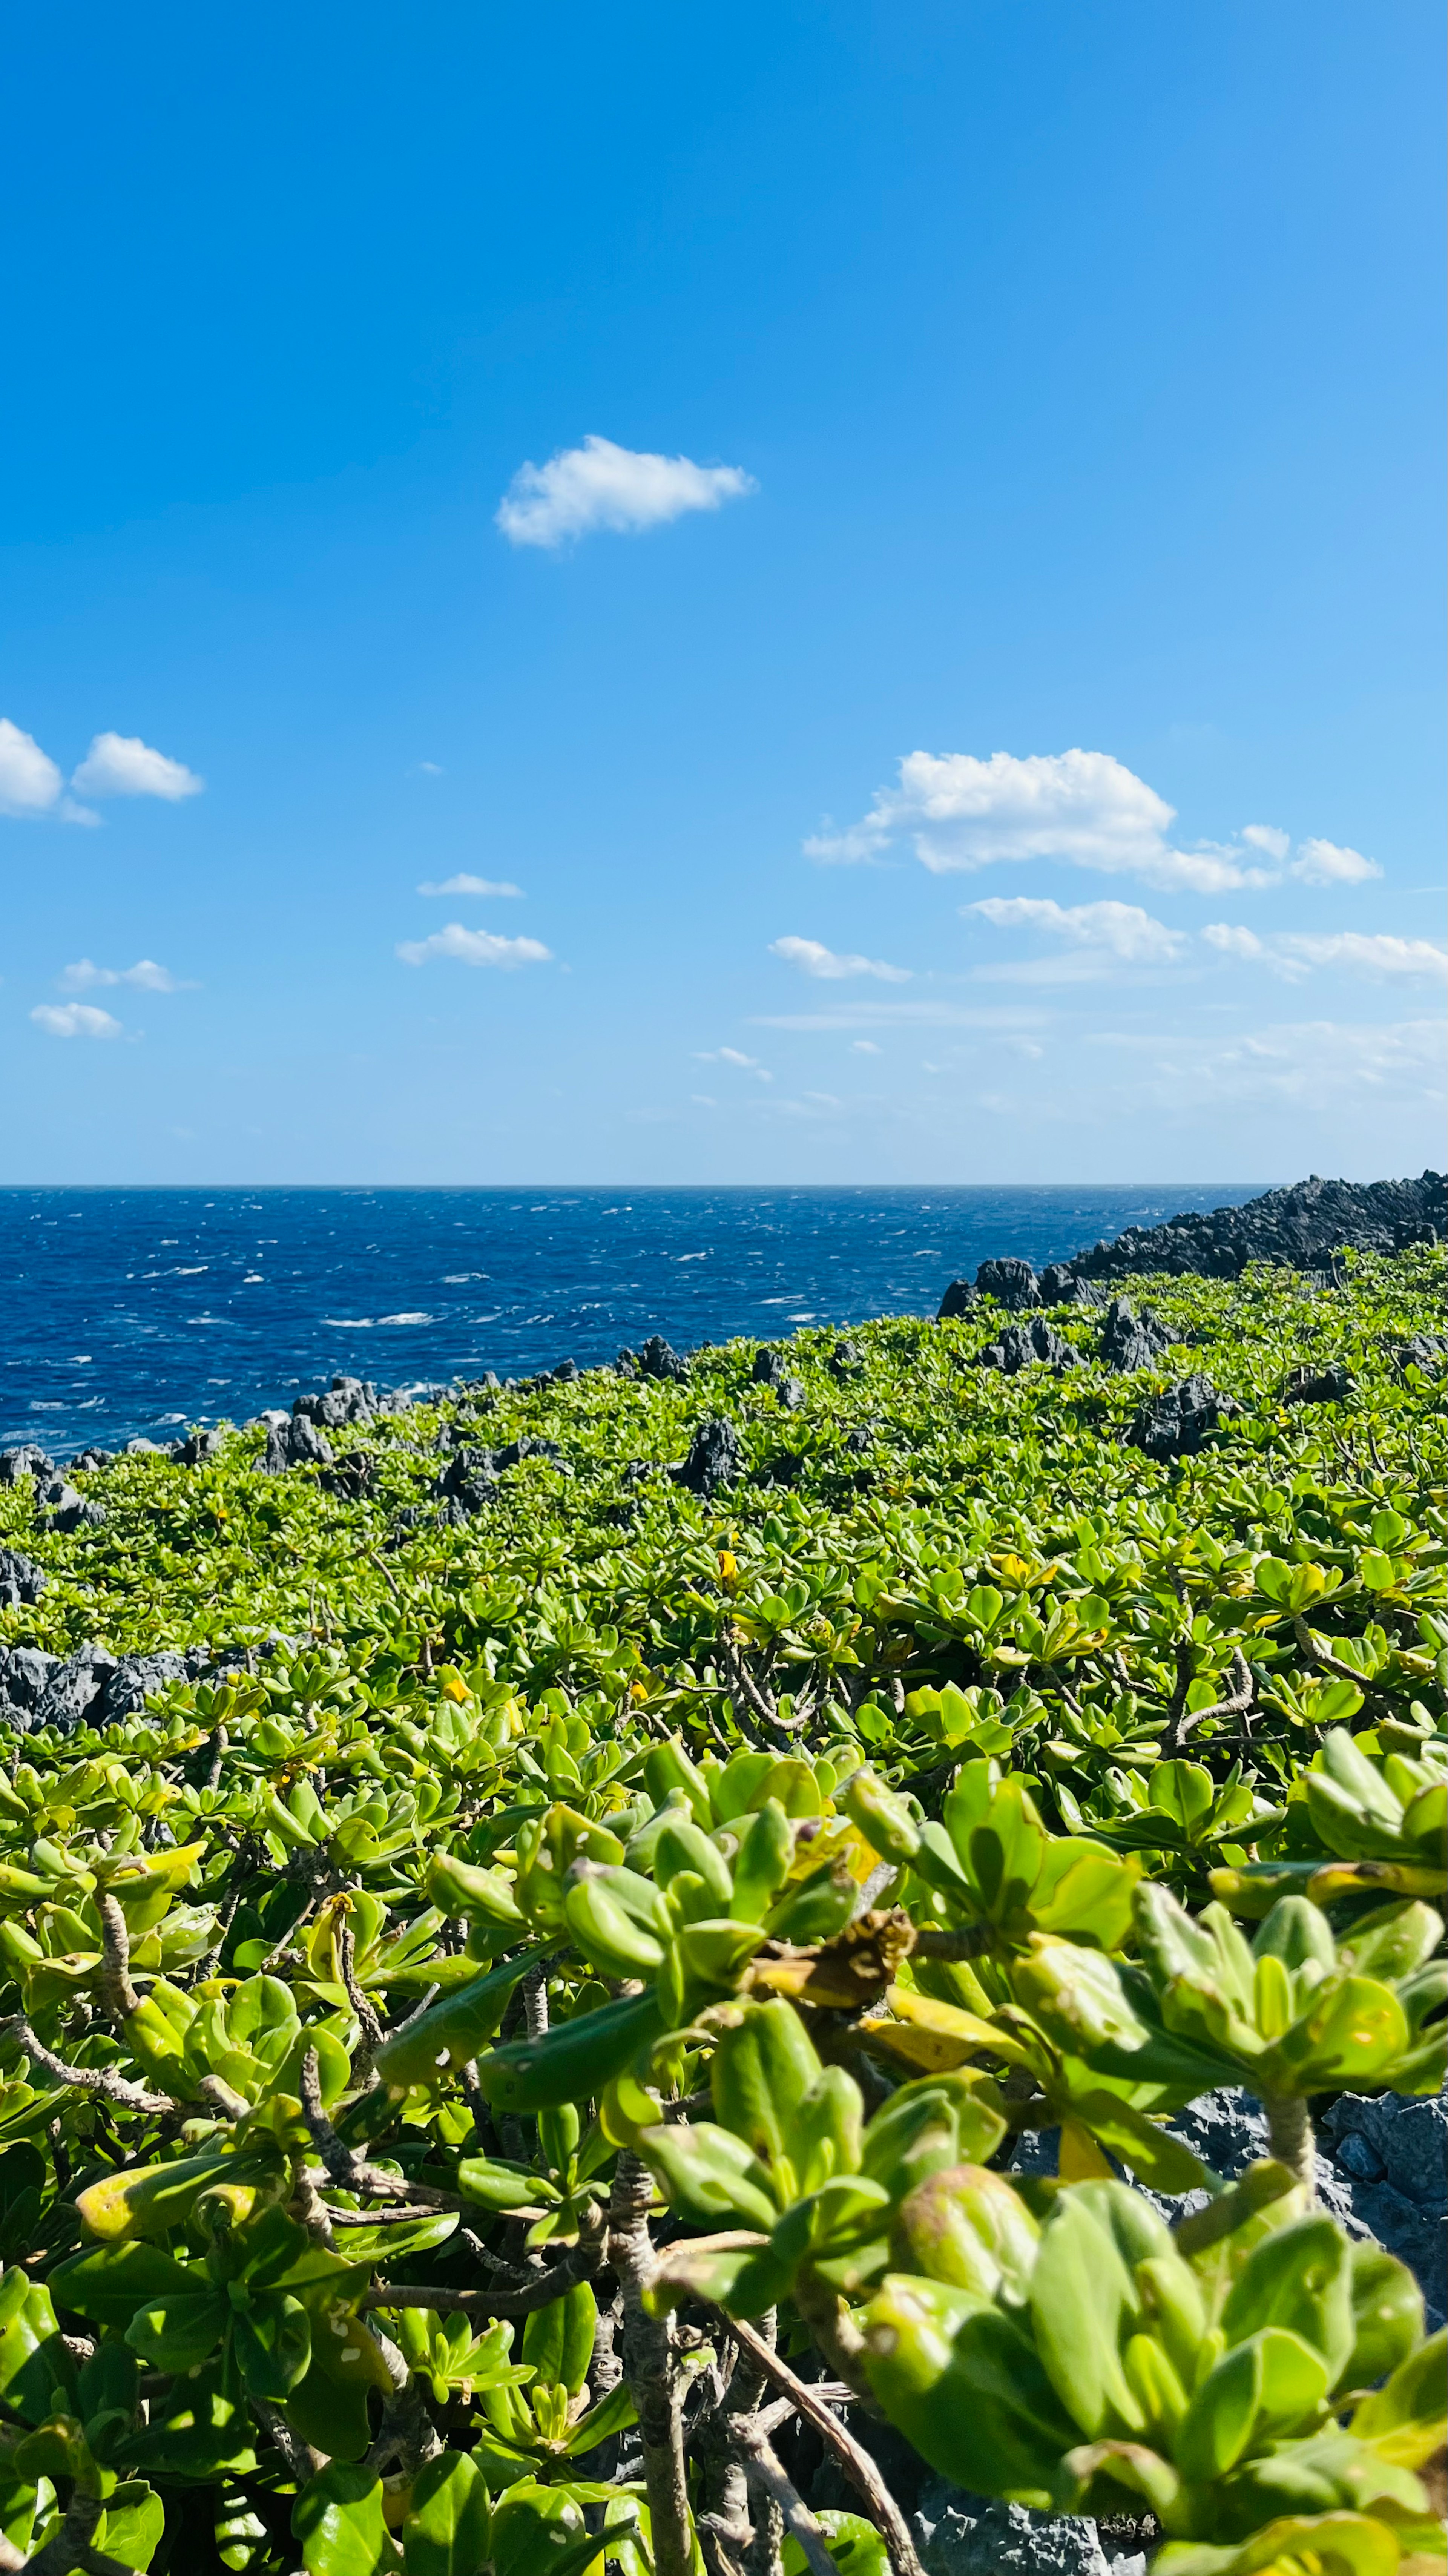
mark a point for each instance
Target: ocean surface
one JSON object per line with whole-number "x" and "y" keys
{"x": 138, "y": 1312}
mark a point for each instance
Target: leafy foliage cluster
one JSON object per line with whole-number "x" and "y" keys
{"x": 551, "y": 2014}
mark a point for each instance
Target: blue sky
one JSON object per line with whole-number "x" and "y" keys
{"x": 958, "y": 692}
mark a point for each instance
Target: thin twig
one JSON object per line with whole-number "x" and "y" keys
{"x": 1236, "y": 1703}
{"x": 862, "y": 2472}
{"x": 763, "y": 2470}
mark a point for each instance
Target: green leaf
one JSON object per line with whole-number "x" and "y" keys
{"x": 338, "y": 2520}
{"x": 272, "y": 2340}
{"x": 180, "y": 2332}
{"x": 707, "y": 2173}
{"x": 447, "y": 2526}
{"x": 130, "y": 2528}
{"x": 855, "y": 2545}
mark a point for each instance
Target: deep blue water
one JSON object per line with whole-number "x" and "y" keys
{"x": 139, "y": 1311}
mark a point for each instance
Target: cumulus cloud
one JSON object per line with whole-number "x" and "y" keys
{"x": 1324, "y": 863}
{"x": 75, "y": 1020}
{"x": 84, "y": 975}
{"x": 813, "y": 959}
{"x": 1120, "y": 930}
{"x": 29, "y": 779}
{"x": 119, "y": 764}
{"x": 474, "y": 948}
{"x": 470, "y": 885}
{"x": 1292, "y": 954}
{"x": 1080, "y": 808}
{"x": 599, "y": 485}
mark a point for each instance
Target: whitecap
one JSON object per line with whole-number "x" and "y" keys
{"x": 352, "y": 1323}
{"x": 39, "y": 1405}
{"x": 404, "y": 1319}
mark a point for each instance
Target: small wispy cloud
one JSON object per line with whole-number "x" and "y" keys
{"x": 1325, "y": 863}
{"x": 1292, "y": 954}
{"x": 828, "y": 967}
{"x": 1122, "y": 931}
{"x": 146, "y": 975}
{"x": 474, "y": 948}
{"x": 75, "y": 1020}
{"x": 119, "y": 764}
{"x": 470, "y": 885}
{"x": 600, "y": 485}
{"x": 426, "y": 769}
{"x": 741, "y": 1063}
{"x": 865, "y": 1046}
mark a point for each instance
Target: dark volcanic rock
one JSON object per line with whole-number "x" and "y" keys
{"x": 1131, "y": 1341}
{"x": 24, "y": 1672}
{"x": 73, "y": 1691}
{"x": 715, "y": 1459}
{"x": 845, "y": 1360}
{"x": 657, "y": 1359}
{"x": 295, "y": 1443}
{"x": 1319, "y": 1386}
{"x": 771, "y": 1368}
{"x": 1298, "y": 1229}
{"x": 1395, "y": 2150}
{"x": 348, "y": 1399}
{"x": 352, "y": 1476}
{"x": 199, "y": 1446}
{"x": 1176, "y": 1423}
{"x": 1425, "y": 1351}
{"x": 958, "y": 2534}
{"x": 1012, "y": 1283}
{"x": 957, "y": 1300}
{"x": 517, "y": 1450}
{"x": 22, "y": 1581}
{"x": 1060, "y": 1286}
{"x": 136, "y": 1678}
{"x": 1026, "y": 1346}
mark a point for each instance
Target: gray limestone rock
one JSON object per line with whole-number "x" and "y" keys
{"x": 959, "y": 2534}
{"x": 72, "y": 1693}
{"x": 24, "y": 1672}
{"x": 22, "y": 1581}
{"x": 61, "y": 1507}
{"x": 26, "y": 1460}
{"x": 199, "y": 1446}
{"x": 136, "y": 1678}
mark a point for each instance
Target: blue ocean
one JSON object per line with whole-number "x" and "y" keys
{"x": 139, "y": 1312}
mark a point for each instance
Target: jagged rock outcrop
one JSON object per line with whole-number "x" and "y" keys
{"x": 1027, "y": 1346}
{"x": 715, "y": 1459}
{"x": 1131, "y": 1341}
{"x": 1012, "y": 1283}
{"x": 1175, "y": 1423}
{"x": 1299, "y": 1228}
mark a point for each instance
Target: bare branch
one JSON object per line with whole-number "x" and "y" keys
{"x": 1236, "y": 1703}
{"x": 862, "y": 2472}
{"x": 117, "y": 1992}
{"x": 102, "y": 2080}
{"x": 763, "y": 2471}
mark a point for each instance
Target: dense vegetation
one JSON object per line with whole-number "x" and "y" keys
{"x": 553, "y": 2008}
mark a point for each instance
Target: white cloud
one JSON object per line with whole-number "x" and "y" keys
{"x": 742, "y": 1063}
{"x": 1121, "y": 930}
{"x": 1266, "y": 836}
{"x": 1293, "y": 954}
{"x": 865, "y": 1046}
{"x": 84, "y": 975}
{"x": 474, "y": 948}
{"x": 599, "y": 485}
{"x": 1324, "y": 863}
{"x": 29, "y": 779}
{"x": 813, "y": 959}
{"x": 75, "y": 1020}
{"x": 1307, "y": 1065}
{"x": 426, "y": 769}
{"x": 895, "y": 1015}
{"x": 1079, "y": 807}
{"x": 119, "y": 764}
{"x": 470, "y": 885}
